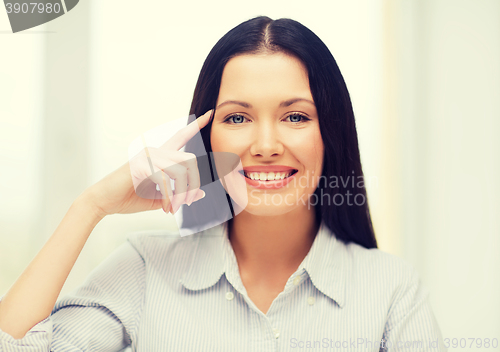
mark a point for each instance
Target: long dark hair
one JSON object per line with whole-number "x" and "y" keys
{"x": 349, "y": 221}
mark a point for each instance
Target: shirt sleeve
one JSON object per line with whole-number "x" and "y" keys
{"x": 36, "y": 339}
{"x": 101, "y": 315}
{"x": 411, "y": 324}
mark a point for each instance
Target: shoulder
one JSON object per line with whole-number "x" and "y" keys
{"x": 158, "y": 245}
{"x": 150, "y": 243}
{"x": 385, "y": 273}
{"x": 376, "y": 262}
{"x": 164, "y": 250}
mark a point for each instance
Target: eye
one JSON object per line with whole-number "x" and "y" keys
{"x": 235, "y": 119}
{"x": 297, "y": 118}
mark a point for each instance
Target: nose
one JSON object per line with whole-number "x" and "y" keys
{"x": 266, "y": 141}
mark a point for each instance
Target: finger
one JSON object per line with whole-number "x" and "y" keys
{"x": 147, "y": 154}
{"x": 142, "y": 177}
{"x": 179, "y": 174}
{"x": 199, "y": 195}
{"x": 167, "y": 201}
{"x": 162, "y": 183}
{"x": 180, "y": 139}
{"x": 193, "y": 175}
{"x": 190, "y": 163}
{"x": 182, "y": 168}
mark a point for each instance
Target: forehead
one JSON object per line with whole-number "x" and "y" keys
{"x": 258, "y": 76}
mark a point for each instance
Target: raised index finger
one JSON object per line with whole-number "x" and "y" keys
{"x": 180, "y": 139}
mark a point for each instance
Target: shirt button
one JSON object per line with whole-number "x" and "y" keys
{"x": 229, "y": 295}
{"x": 296, "y": 281}
{"x": 276, "y": 333}
{"x": 310, "y": 300}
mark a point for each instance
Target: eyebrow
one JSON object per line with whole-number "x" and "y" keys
{"x": 283, "y": 104}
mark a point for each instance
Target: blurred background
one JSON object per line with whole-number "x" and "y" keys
{"x": 424, "y": 78}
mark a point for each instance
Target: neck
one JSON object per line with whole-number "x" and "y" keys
{"x": 277, "y": 242}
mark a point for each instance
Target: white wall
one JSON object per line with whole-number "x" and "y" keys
{"x": 21, "y": 106}
{"x": 449, "y": 87}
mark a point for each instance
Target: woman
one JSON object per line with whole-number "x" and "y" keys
{"x": 297, "y": 265}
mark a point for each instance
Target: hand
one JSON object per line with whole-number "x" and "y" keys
{"x": 132, "y": 188}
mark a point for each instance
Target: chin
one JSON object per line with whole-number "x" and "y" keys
{"x": 268, "y": 210}
{"x": 270, "y": 205}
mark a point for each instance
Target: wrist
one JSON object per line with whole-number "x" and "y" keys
{"x": 86, "y": 203}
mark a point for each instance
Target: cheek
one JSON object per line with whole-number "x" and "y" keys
{"x": 308, "y": 148}
{"x": 217, "y": 140}
{"x": 223, "y": 140}
{"x": 319, "y": 150}
{"x": 318, "y": 147}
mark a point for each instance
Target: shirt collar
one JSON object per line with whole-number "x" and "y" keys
{"x": 326, "y": 265}
{"x": 213, "y": 255}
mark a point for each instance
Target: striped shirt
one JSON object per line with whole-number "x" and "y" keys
{"x": 162, "y": 292}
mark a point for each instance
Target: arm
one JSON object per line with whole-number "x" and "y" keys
{"x": 104, "y": 313}
{"x": 32, "y": 297}
{"x": 101, "y": 315}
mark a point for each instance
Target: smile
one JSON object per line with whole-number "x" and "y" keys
{"x": 268, "y": 176}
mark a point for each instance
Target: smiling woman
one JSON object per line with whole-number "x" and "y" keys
{"x": 298, "y": 263}
{"x": 275, "y": 151}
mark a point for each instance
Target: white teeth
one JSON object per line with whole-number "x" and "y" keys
{"x": 269, "y": 176}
